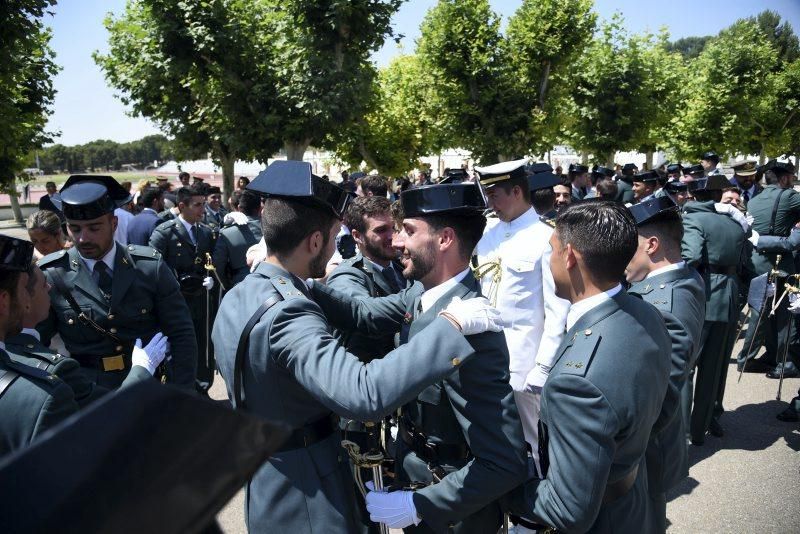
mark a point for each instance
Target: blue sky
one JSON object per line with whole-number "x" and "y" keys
{"x": 85, "y": 108}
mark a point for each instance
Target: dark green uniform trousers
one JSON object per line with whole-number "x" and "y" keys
{"x": 710, "y": 371}
{"x": 198, "y": 310}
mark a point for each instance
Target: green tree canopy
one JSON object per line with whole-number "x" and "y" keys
{"x": 26, "y": 83}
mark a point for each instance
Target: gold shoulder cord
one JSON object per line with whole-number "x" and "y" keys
{"x": 491, "y": 268}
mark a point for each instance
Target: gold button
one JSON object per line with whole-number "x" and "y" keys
{"x": 587, "y": 332}
{"x": 110, "y": 316}
{"x": 179, "y": 244}
{"x": 119, "y": 347}
{"x": 113, "y": 330}
{"x": 144, "y": 310}
{"x": 70, "y": 321}
{"x": 456, "y": 361}
{"x": 662, "y": 286}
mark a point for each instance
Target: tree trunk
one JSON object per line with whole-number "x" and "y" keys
{"x": 227, "y": 176}
{"x": 296, "y": 149}
{"x": 584, "y": 158}
{"x": 610, "y": 159}
{"x": 648, "y": 160}
{"x": 762, "y": 156}
{"x": 12, "y": 196}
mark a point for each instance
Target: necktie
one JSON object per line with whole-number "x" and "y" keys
{"x": 103, "y": 278}
{"x": 194, "y": 234}
{"x": 392, "y": 279}
{"x": 746, "y": 195}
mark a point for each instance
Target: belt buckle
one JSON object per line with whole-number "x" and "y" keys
{"x": 113, "y": 363}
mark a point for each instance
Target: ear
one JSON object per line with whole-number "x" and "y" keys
{"x": 447, "y": 238}
{"x": 570, "y": 257}
{"x": 314, "y": 242}
{"x": 653, "y": 245}
{"x": 357, "y": 237}
{"x": 114, "y": 222}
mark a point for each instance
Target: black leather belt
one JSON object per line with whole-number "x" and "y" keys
{"x": 311, "y": 433}
{"x": 432, "y": 453}
{"x": 617, "y": 489}
{"x": 730, "y": 270}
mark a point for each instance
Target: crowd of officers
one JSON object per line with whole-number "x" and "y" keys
{"x": 468, "y": 347}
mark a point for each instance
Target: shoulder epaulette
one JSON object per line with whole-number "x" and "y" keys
{"x": 33, "y": 372}
{"x": 579, "y": 357}
{"x": 50, "y": 258}
{"x": 141, "y": 251}
{"x": 548, "y": 221}
{"x": 286, "y": 288}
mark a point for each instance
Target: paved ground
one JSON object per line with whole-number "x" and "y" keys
{"x": 747, "y": 481}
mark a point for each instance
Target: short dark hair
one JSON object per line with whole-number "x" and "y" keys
{"x": 604, "y": 232}
{"x": 374, "y": 183}
{"x": 607, "y": 189}
{"x": 287, "y": 222}
{"x": 668, "y": 228}
{"x": 236, "y": 196}
{"x": 185, "y": 194}
{"x": 468, "y": 227}
{"x": 565, "y": 181}
{"x": 362, "y": 207}
{"x": 249, "y": 203}
{"x": 704, "y": 195}
{"x": 519, "y": 181}
{"x": 150, "y": 195}
{"x": 770, "y": 177}
{"x": 245, "y": 179}
{"x": 10, "y": 279}
{"x": 397, "y": 212}
{"x": 50, "y": 184}
{"x": 543, "y": 200}
{"x": 183, "y": 175}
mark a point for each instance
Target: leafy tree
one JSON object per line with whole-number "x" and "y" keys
{"x": 725, "y": 98}
{"x": 398, "y": 129}
{"x": 781, "y": 35}
{"x": 689, "y": 47}
{"x": 625, "y": 94}
{"x": 26, "y": 86}
{"x": 497, "y": 94}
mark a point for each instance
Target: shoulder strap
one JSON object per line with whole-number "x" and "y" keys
{"x": 58, "y": 282}
{"x": 775, "y": 212}
{"x": 7, "y": 378}
{"x": 243, "y": 347}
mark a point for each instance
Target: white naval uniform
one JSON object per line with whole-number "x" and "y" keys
{"x": 533, "y": 316}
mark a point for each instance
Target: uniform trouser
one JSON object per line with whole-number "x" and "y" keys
{"x": 709, "y": 372}
{"x": 198, "y": 310}
{"x": 771, "y": 333}
{"x": 528, "y": 405}
{"x": 723, "y": 371}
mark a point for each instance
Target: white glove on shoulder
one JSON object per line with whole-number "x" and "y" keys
{"x": 475, "y": 315}
{"x": 152, "y": 355}
{"x": 256, "y": 254}
{"x": 234, "y": 217}
{"x": 208, "y": 283}
{"x": 395, "y": 509}
{"x": 736, "y": 215}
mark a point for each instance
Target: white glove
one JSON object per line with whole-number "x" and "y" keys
{"x": 536, "y": 378}
{"x": 474, "y": 315}
{"x": 750, "y": 219}
{"x": 234, "y": 217}
{"x": 754, "y": 238}
{"x": 395, "y": 509}
{"x": 736, "y": 215}
{"x": 256, "y": 254}
{"x": 152, "y": 355}
{"x": 208, "y": 283}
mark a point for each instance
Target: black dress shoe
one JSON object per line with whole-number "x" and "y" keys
{"x": 789, "y": 415}
{"x": 756, "y": 366}
{"x": 715, "y": 429}
{"x": 790, "y": 370}
{"x": 697, "y": 442}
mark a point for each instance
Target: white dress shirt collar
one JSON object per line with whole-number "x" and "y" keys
{"x": 188, "y": 227}
{"x": 668, "y": 268}
{"x": 527, "y": 218}
{"x": 430, "y": 297}
{"x": 108, "y": 259}
{"x": 581, "y": 308}
{"x": 32, "y": 332}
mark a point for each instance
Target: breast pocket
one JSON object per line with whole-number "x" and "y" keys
{"x": 520, "y": 278}
{"x": 72, "y": 327}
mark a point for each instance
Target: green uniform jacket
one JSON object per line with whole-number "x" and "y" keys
{"x": 26, "y": 349}
{"x": 599, "y": 404}
{"x": 358, "y": 278}
{"x": 716, "y": 240}
{"x": 33, "y": 403}
{"x": 145, "y": 299}
{"x": 680, "y": 297}
{"x": 786, "y": 216}
{"x": 231, "y": 250}
{"x": 473, "y": 407}
{"x": 296, "y": 373}
{"x": 174, "y": 243}
{"x": 210, "y": 220}
{"x": 624, "y": 192}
